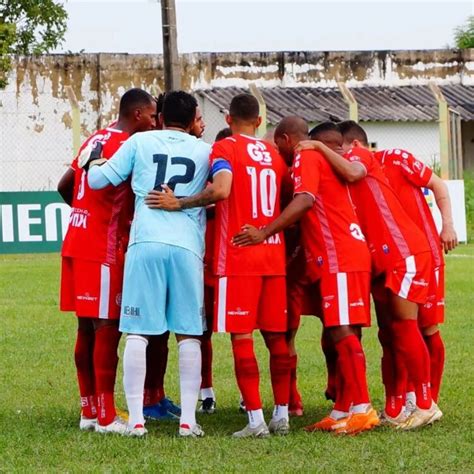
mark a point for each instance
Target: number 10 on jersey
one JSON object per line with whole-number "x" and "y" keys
{"x": 263, "y": 184}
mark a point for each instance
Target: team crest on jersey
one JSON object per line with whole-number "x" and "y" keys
{"x": 259, "y": 153}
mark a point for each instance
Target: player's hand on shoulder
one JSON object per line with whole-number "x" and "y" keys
{"x": 165, "y": 200}
{"x": 308, "y": 145}
{"x": 448, "y": 238}
{"x": 249, "y": 235}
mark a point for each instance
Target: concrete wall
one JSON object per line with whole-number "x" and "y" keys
{"x": 35, "y": 118}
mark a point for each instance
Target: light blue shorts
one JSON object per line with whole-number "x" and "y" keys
{"x": 163, "y": 291}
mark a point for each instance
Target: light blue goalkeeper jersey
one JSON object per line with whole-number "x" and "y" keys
{"x": 166, "y": 156}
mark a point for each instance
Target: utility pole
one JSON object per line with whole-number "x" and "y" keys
{"x": 170, "y": 46}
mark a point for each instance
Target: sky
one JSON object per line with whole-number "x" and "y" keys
{"x": 134, "y": 26}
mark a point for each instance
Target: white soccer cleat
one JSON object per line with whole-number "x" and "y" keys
{"x": 261, "y": 431}
{"x": 137, "y": 431}
{"x": 87, "y": 424}
{"x": 118, "y": 426}
{"x": 279, "y": 427}
{"x": 190, "y": 432}
{"x": 396, "y": 421}
{"x": 421, "y": 417}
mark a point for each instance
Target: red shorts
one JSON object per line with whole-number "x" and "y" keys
{"x": 345, "y": 299}
{"x": 409, "y": 279}
{"x": 302, "y": 300}
{"x": 432, "y": 312}
{"x": 91, "y": 289}
{"x": 246, "y": 303}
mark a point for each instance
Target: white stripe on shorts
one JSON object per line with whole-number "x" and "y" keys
{"x": 221, "y": 304}
{"x": 342, "y": 299}
{"x": 104, "y": 296}
{"x": 408, "y": 277}
{"x": 437, "y": 276}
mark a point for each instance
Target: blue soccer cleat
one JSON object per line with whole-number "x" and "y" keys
{"x": 171, "y": 407}
{"x": 159, "y": 413}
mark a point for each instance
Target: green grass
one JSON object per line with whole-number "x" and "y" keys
{"x": 39, "y": 399}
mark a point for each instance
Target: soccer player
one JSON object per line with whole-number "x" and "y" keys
{"x": 408, "y": 176}
{"x": 401, "y": 266}
{"x": 340, "y": 265}
{"x": 247, "y": 178}
{"x": 92, "y": 263}
{"x": 163, "y": 284}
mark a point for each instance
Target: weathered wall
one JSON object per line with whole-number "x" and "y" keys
{"x": 35, "y": 118}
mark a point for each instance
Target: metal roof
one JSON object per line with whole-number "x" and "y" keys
{"x": 379, "y": 104}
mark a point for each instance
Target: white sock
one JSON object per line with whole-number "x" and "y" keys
{"x": 255, "y": 417}
{"x": 280, "y": 412}
{"x": 410, "y": 397}
{"x": 360, "y": 408}
{"x": 189, "y": 353}
{"x": 134, "y": 371}
{"x": 207, "y": 393}
{"x": 338, "y": 415}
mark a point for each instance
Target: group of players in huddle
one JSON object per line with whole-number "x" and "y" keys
{"x": 305, "y": 223}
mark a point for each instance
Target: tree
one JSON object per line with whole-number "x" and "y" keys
{"x": 464, "y": 35}
{"x": 29, "y": 27}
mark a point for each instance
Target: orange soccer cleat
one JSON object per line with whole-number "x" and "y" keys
{"x": 327, "y": 424}
{"x": 358, "y": 422}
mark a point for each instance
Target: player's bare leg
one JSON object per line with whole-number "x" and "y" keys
{"x": 280, "y": 376}
{"x": 83, "y": 357}
{"x": 248, "y": 380}
{"x": 189, "y": 358}
{"x": 409, "y": 343}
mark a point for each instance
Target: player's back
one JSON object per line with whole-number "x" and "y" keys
{"x": 331, "y": 230}
{"x": 182, "y": 162}
{"x": 390, "y": 232}
{"x": 407, "y": 176}
{"x": 99, "y": 216}
{"x": 258, "y": 171}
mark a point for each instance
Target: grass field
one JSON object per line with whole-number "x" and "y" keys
{"x": 39, "y": 399}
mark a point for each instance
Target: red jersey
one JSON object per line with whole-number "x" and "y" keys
{"x": 258, "y": 172}
{"x": 407, "y": 176}
{"x": 100, "y": 220}
{"x": 330, "y": 230}
{"x": 391, "y": 234}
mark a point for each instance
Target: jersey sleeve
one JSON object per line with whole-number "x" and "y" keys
{"x": 361, "y": 156}
{"x": 120, "y": 166}
{"x": 222, "y": 157}
{"x": 415, "y": 170}
{"x": 306, "y": 173}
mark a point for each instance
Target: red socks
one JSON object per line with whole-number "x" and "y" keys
{"x": 409, "y": 344}
{"x": 279, "y": 366}
{"x": 156, "y": 364}
{"x": 83, "y": 357}
{"x": 206, "y": 361}
{"x": 351, "y": 364}
{"x": 330, "y": 355}
{"x": 295, "y": 397}
{"x": 437, "y": 354}
{"x": 246, "y": 372}
{"x": 393, "y": 375}
{"x": 105, "y": 364}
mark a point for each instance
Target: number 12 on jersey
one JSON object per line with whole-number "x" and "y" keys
{"x": 263, "y": 184}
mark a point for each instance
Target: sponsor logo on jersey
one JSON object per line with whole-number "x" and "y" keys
{"x": 86, "y": 297}
{"x": 273, "y": 239}
{"x": 259, "y": 153}
{"x": 359, "y": 302}
{"x": 132, "y": 311}
{"x": 78, "y": 218}
{"x": 238, "y": 312}
{"x": 421, "y": 282}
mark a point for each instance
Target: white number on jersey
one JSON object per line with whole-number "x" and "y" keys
{"x": 263, "y": 183}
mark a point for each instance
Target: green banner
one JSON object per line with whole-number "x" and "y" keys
{"x": 32, "y": 222}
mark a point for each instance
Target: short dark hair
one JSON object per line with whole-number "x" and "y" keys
{"x": 353, "y": 131}
{"x": 244, "y": 107}
{"x": 323, "y": 127}
{"x": 224, "y": 133}
{"x": 179, "y": 109}
{"x": 132, "y": 99}
{"x": 159, "y": 102}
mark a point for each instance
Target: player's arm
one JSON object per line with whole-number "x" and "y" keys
{"x": 218, "y": 190}
{"x": 66, "y": 186}
{"x": 104, "y": 172}
{"x": 350, "y": 171}
{"x": 292, "y": 213}
{"x": 448, "y": 235}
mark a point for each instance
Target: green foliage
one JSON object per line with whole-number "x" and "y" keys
{"x": 29, "y": 27}
{"x": 39, "y": 406}
{"x": 464, "y": 35}
{"x": 469, "y": 196}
